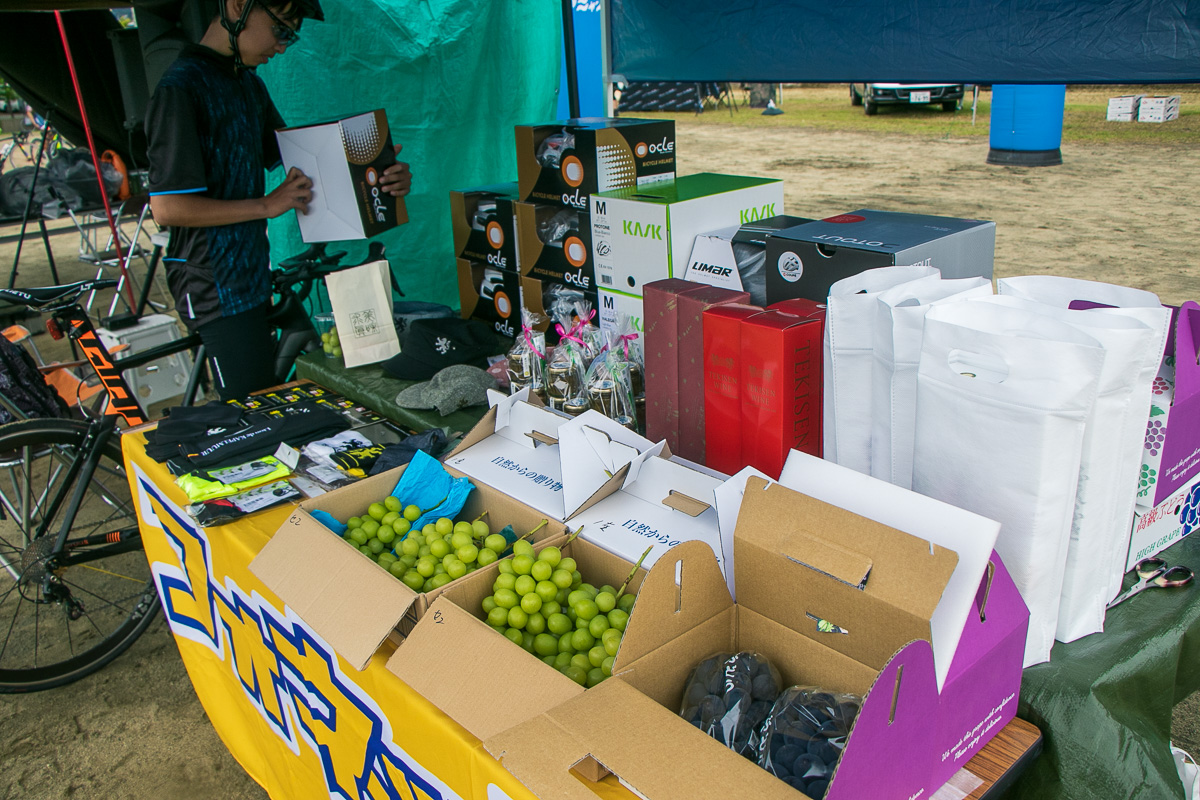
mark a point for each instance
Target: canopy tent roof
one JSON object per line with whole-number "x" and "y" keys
{"x": 960, "y": 41}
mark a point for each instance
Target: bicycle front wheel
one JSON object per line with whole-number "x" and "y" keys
{"x": 66, "y": 613}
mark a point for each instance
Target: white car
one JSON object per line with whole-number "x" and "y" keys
{"x": 872, "y": 95}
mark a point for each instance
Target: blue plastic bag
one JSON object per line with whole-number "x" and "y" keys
{"x": 428, "y": 486}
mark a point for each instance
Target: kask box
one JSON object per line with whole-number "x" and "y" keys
{"x": 345, "y": 160}
{"x": 348, "y": 599}
{"x": 799, "y": 558}
{"x": 563, "y": 163}
{"x": 484, "y": 225}
{"x": 806, "y": 260}
{"x": 644, "y": 234}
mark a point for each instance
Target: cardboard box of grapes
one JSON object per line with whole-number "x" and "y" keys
{"x": 345, "y": 596}
{"x": 454, "y": 650}
{"x": 833, "y": 600}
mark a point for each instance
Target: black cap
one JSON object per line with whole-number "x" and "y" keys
{"x": 430, "y": 345}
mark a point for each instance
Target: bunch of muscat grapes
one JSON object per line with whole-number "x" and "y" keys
{"x": 431, "y": 557}
{"x": 542, "y": 604}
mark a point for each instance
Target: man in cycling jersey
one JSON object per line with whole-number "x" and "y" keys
{"x": 211, "y": 129}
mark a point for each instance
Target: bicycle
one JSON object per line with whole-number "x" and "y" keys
{"x": 17, "y": 142}
{"x": 69, "y": 538}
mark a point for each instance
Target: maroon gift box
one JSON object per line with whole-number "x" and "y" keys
{"x": 690, "y": 321}
{"x": 660, "y": 315}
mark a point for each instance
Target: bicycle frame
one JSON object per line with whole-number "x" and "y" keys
{"x": 74, "y": 323}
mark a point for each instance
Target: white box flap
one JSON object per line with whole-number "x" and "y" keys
{"x": 317, "y": 151}
{"x": 971, "y": 536}
{"x": 593, "y": 449}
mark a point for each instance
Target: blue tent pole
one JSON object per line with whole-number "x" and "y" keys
{"x": 568, "y": 17}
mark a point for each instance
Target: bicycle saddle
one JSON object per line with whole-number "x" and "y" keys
{"x": 47, "y": 296}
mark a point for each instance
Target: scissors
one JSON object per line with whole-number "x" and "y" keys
{"x": 1152, "y": 573}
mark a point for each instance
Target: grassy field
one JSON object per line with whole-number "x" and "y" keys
{"x": 827, "y": 107}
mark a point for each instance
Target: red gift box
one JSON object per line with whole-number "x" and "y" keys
{"x": 780, "y": 387}
{"x": 660, "y": 315}
{"x": 722, "y": 378}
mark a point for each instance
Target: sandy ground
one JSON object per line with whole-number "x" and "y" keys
{"x": 1125, "y": 214}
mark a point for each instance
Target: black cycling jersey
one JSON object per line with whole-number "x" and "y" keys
{"x": 211, "y": 131}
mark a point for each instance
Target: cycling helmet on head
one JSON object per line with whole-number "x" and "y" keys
{"x": 301, "y": 9}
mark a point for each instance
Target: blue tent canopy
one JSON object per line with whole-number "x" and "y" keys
{"x": 954, "y": 41}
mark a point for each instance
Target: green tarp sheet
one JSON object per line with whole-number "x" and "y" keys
{"x": 454, "y": 76}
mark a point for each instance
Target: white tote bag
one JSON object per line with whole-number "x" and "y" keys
{"x": 899, "y": 326}
{"x": 362, "y": 309}
{"x": 1123, "y": 301}
{"x": 1003, "y": 396}
{"x": 1098, "y": 529}
{"x": 849, "y": 339}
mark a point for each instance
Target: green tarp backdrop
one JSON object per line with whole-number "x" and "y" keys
{"x": 454, "y": 76}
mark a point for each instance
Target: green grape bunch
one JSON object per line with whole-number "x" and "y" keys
{"x": 542, "y": 604}
{"x": 429, "y": 558}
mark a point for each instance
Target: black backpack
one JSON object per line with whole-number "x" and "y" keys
{"x": 24, "y": 387}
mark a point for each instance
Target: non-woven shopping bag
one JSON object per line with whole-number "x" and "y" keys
{"x": 1123, "y": 301}
{"x": 362, "y": 309}
{"x": 1099, "y": 528}
{"x": 899, "y": 326}
{"x": 849, "y": 322}
{"x": 1003, "y": 397}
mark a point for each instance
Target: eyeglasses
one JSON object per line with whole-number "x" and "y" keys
{"x": 285, "y": 34}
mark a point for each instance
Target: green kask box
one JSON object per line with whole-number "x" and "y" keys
{"x": 645, "y": 234}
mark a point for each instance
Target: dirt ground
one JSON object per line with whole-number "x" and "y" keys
{"x": 1126, "y": 214}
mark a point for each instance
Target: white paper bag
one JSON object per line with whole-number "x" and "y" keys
{"x": 1003, "y": 396}
{"x": 1123, "y": 301}
{"x": 899, "y": 325}
{"x": 362, "y": 310}
{"x": 849, "y": 321}
{"x": 1098, "y": 530}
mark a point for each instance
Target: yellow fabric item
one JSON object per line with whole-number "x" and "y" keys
{"x": 302, "y": 722}
{"x": 198, "y": 489}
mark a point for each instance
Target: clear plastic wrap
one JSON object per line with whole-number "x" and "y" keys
{"x": 566, "y": 370}
{"x": 613, "y": 378}
{"x": 527, "y": 358}
{"x": 549, "y": 152}
{"x": 559, "y": 301}
{"x": 729, "y": 697}
{"x": 555, "y": 229}
{"x": 586, "y": 330}
{"x": 804, "y": 736}
{"x": 751, "y": 260}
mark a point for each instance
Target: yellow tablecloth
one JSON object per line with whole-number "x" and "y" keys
{"x": 299, "y": 719}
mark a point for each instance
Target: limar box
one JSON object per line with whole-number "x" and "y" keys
{"x": 644, "y": 234}
{"x": 563, "y": 163}
{"x": 345, "y": 160}
{"x": 325, "y": 579}
{"x": 806, "y": 260}
{"x": 484, "y": 225}
{"x": 796, "y": 559}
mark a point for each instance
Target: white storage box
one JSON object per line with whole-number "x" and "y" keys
{"x": 162, "y": 379}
